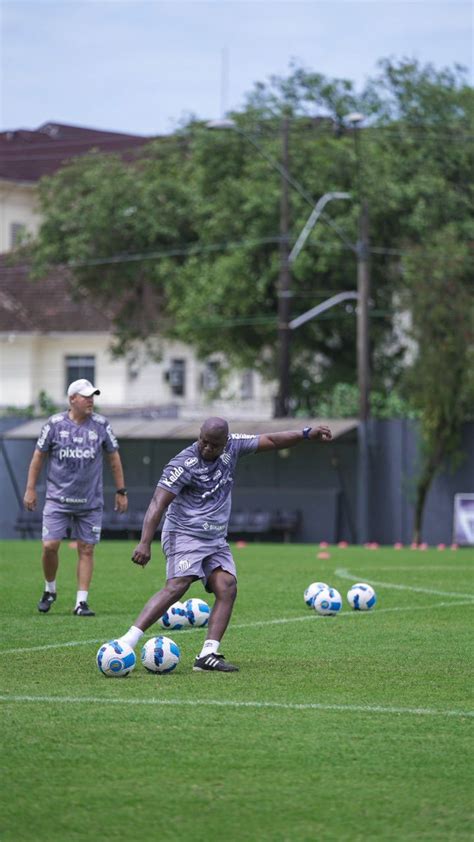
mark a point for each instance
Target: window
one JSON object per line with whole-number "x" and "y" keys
{"x": 17, "y": 230}
{"x": 78, "y": 368}
{"x": 176, "y": 377}
{"x": 247, "y": 385}
{"x": 210, "y": 376}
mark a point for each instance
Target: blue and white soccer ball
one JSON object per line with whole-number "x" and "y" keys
{"x": 116, "y": 660}
{"x": 197, "y": 612}
{"x": 311, "y": 592}
{"x": 361, "y": 597}
{"x": 327, "y": 602}
{"x": 160, "y": 654}
{"x": 175, "y": 617}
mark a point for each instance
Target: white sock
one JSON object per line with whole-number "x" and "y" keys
{"x": 131, "y": 637}
{"x": 50, "y": 586}
{"x": 211, "y": 647}
{"x": 81, "y": 597}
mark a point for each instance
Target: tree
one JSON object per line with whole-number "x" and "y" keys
{"x": 441, "y": 381}
{"x": 182, "y": 241}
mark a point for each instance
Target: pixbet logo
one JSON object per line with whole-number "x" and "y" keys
{"x": 76, "y": 453}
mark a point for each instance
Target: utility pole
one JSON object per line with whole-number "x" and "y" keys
{"x": 284, "y": 287}
{"x": 363, "y": 357}
{"x": 363, "y": 290}
{"x": 363, "y": 376}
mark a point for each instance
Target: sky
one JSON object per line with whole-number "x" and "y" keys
{"x": 145, "y": 66}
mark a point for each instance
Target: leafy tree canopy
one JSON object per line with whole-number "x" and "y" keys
{"x": 183, "y": 240}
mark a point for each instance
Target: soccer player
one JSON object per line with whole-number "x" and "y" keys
{"x": 195, "y": 491}
{"x": 74, "y": 440}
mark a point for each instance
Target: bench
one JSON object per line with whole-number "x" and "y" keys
{"x": 29, "y": 524}
{"x": 277, "y": 525}
{"x": 127, "y": 525}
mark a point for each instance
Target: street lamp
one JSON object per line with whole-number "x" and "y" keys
{"x": 361, "y": 250}
{"x": 287, "y": 258}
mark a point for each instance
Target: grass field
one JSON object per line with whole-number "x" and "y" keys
{"x": 354, "y": 727}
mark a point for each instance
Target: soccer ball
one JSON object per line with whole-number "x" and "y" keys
{"x": 311, "y": 592}
{"x": 197, "y": 612}
{"x": 327, "y": 602}
{"x": 175, "y": 617}
{"x": 115, "y": 659}
{"x": 361, "y": 597}
{"x": 160, "y": 654}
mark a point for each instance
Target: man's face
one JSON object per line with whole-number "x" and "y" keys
{"x": 211, "y": 445}
{"x": 82, "y": 405}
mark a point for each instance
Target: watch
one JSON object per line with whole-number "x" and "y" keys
{"x": 122, "y": 491}
{"x": 306, "y": 431}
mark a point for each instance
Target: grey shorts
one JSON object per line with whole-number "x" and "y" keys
{"x": 84, "y": 526}
{"x": 187, "y": 555}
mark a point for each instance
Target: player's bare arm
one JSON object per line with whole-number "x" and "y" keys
{"x": 290, "y": 438}
{"x": 159, "y": 502}
{"x": 36, "y": 464}
{"x": 121, "y": 499}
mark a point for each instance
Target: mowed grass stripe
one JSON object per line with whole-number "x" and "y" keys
{"x": 234, "y": 704}
{"x": 255, "y": 624}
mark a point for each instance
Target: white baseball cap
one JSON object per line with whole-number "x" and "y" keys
{"x": 82, "y": 387}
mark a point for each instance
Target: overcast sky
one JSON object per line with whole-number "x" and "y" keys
{"x": 141, "y": 66}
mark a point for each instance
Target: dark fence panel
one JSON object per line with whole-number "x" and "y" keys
{"x": 317, "y": 480}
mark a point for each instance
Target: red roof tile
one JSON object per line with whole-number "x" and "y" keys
{"x": 47, "y": 305}
{"x": 28, "y": 155}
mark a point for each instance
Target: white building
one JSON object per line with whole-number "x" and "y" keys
{"x": 48, "y": 339}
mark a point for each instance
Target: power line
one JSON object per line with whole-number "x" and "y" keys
{"x": 217, "y": 322}
{"x": 188, "y": 251}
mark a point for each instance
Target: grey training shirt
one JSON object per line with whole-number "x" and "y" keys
{"x": 203, "y": 489}
{"x": 74, "y": 478}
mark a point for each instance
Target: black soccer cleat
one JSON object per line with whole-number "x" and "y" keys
{"x": 83, "y": 610}
{"x": 213, "y": 663}
{"x": 46, "y": 602}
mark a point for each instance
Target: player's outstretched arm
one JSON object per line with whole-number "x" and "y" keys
{"x": 159, "y": 502}
{"x": 290, "y": 438}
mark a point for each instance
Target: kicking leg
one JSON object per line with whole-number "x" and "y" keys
{"x": 156, "y": 606}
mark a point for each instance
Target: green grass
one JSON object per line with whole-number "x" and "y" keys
{"x": 382, "y": 754}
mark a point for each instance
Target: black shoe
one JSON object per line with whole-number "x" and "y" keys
{"x": 83, "y": 610}
{"x": 46, "y": 602}
{"x": 215, "y": 663}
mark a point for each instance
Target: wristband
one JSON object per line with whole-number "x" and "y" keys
{"x": 122, "y": 491}
{"x": 306, "y": 431}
